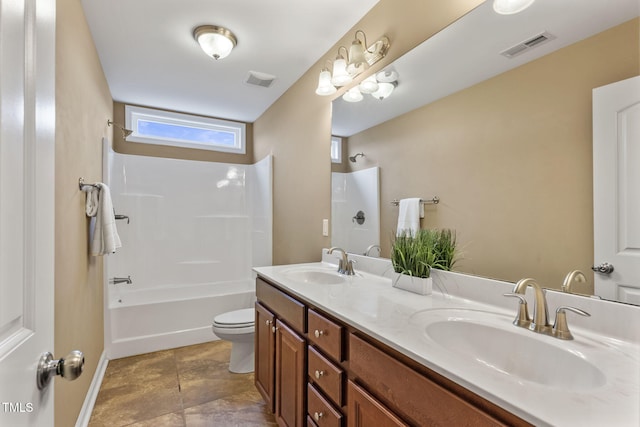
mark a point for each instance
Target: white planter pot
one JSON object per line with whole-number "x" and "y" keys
{"x": 413, "y": 284}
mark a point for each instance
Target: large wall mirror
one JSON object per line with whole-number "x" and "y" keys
{"x": 494, "y": 116}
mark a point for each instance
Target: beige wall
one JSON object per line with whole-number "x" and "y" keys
{"x": 297, "y": 128}
{"x": 510, "y": 159}
{"x": 83, "y": 105}
{"x": 122, "y": 146}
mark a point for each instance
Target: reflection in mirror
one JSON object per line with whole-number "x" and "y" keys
{"x": 504, "y": 139}
{"x": 355, "y": 210}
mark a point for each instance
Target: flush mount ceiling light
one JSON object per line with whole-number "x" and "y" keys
{"x": 349, "y": 64}
{"x": 509, "y": 7}
{"x": 217, "y": 42}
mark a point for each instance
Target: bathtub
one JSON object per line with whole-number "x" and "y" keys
{"x": 146, "y": 320}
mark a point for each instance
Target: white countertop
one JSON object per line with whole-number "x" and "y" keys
{"x": 396, "y": 318}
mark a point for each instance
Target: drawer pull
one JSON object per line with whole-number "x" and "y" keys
{"x": 318, "y": 333}
{"x": 273, "y": 329}
{"x": 268, "y": 322}
{"x": 319, "y": 374}
{"x": 318, "y": 415}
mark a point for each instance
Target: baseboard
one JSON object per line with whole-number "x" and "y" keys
{"x": 92, "y": 393}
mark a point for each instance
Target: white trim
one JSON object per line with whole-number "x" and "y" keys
{"x": 92, "y": 393}
{"x": 134, "y": 114}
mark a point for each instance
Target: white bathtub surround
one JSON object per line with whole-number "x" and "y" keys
{"x": 608, "y": 342}
{"x": 195, "y": 231}
{"x": 350, "y": 193}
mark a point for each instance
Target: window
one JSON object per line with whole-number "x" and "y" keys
{"x": 151, "y": 126}
{"x": 336, "y": 149}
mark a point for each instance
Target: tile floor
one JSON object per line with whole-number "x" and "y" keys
{"x": 182, "y": 387}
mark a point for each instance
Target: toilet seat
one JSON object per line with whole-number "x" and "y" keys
{"x": 242, "y": 318}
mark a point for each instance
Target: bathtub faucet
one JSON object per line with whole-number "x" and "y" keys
{"x": 118, "y": 280}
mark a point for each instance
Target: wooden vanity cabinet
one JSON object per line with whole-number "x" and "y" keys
{"x": 363, "y": 410}
{"x": 290, "y": 377}
{"x": 265, "y": 355}
{"x": 329, "y": 374}
{"x": 280, "y": 354}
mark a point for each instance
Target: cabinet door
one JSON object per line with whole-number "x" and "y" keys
{"x": 365, "y": 411}
{"x": 265, "y": 352}
{"x": 290, "y": 377}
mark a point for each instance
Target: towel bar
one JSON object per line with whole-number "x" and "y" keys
{"x": 434, "y": 201}
{"x": 84, "y": 186}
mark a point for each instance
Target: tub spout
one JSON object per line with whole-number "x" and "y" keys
{"x": 118, "y": 280}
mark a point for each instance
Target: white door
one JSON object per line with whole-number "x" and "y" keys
{"x": 27, "y": 122}
{"x": 616, "y": 190}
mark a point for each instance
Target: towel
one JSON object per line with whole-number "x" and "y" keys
{"x": 105, "y": 234}
{"x": 409, "y": 213}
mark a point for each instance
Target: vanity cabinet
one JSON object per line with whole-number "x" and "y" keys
{"x": 280, "y": 354}
{"x": 330, "y": 374}
{"x": 290, "y": 376}
{"x": 265, "y": 355}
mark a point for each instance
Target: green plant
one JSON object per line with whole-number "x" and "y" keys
{"x": 445, "y": 249}
{"x": 415, "y": 255}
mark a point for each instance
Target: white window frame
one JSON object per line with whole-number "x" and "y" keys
{"x": 336, "y": 149}
{"x": 133, "y": 114}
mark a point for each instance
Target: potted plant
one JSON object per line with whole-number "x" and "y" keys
{"x": 414, "y": 255}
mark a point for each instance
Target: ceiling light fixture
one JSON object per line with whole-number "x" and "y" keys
{"x": 509, "y": 7}
{"x": 217, "y": 42}
{"x": 352, "y": 63}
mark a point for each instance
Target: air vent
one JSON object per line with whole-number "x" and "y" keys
{"x": 259, "y": 79}
{"x": 528, "y": 44}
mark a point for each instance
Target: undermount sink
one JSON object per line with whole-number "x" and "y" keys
{"x": 315, "y": 276}
{"x": 495, "y": 343}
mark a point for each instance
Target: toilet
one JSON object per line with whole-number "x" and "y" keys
{"x": 238, "y": 327}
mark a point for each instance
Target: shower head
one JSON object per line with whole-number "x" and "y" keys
{"x": 125, "y": 132}
{"x": 353, "y": 158}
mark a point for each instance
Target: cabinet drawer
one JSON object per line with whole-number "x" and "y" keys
{"x": 325, "y": 334}
{"x": 287, "y": 308}
{"x": 320, "y": 410}
{"x": 364, "y": 410}
{"x": 408, "y": 392}
{"x": 325, "y": 375}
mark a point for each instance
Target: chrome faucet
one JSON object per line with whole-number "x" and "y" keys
{"x": 540, "y": 322}
{"x": 370, "y": 248}
{"x": 345, "y": 266}
{"x": 118, "y": 280}
{"x": 575, "y": 275}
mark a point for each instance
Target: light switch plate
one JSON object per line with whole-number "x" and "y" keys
{"x": 325, "y": 227}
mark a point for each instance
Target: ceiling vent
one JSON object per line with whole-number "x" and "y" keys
{"x": 259, "y": 79}
{"x": 528, "y": 44}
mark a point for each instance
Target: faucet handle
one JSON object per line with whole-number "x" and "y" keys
{"x": 560, "y": 326}
{"x": 522, "y": 318}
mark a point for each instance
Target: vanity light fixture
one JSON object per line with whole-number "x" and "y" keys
{"x": 510, "y": 7}
{"x": 217, "y": 42}
{"x": 379, "y": 85}
{"x": 351, "y": 63}
{"x": 353, "y": 95}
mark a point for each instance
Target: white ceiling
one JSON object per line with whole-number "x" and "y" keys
{"x": 150, "y": 58}
{"x": 468, "y": 52}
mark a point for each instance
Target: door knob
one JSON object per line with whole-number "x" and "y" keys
{"x": 69, "y": 367}
{"x": 604, "y": 268}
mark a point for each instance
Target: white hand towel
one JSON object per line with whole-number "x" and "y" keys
{"x": 105, "y": 235}
{"x": 91, "y": 206}
{"x": 409, "y": 213}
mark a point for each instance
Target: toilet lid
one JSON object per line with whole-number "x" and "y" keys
{"x": 243, "y": 317}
